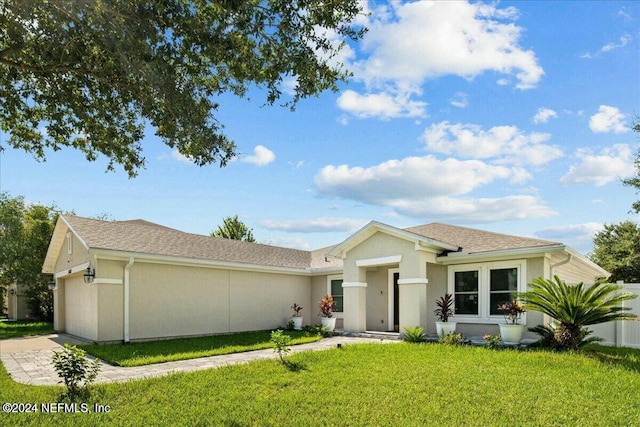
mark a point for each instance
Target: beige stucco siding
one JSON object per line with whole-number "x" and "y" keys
{"x": 169, "y": 301}
{"x": 377, "y": 246}
{"x": 110, "y": 312}
{"x": 79, "y": 255}
{"x": 80, "y": 306}
{"x": 437, "y": 287}
{"x": 262, "y": 300}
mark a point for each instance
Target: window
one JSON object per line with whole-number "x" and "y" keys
{"x": 478, "y": 289}
{"x": 503, "y": 285}
{"x": 466, "y": 292}
{"x": 334, "y": 288}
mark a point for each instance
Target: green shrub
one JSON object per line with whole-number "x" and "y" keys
{"x": 75, "y": 369}
{"x": 451, "y": 339}
{"x": 281, "y": 343}
{"x": 317, "y": 330}
{"x": 492, "y": 341}
{"x": 548, "y": 338}
{"x": 414, "y": 335}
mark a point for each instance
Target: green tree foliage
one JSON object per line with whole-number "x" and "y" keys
{"x": 233, "y": 228}
{"x": 576, "y": 306}
{"x": 617, "y": 250}
{"x": 635, "y": 180}
{"x": 76, "y": 371}
{"x": 25, "y": 232}
{"x": 91, "y": 74}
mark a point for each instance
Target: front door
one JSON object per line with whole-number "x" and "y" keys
{"x": 394, "y": 300}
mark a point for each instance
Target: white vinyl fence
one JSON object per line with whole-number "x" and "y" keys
{"x": 625, "y": 333}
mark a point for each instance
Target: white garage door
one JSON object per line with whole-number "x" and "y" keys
{"x": 80, "y": 318}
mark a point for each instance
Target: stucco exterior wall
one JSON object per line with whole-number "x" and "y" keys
{"x": 437, "y": 287}
{"x": 262, "y": 300}
{"x": 79, "y": 255}
{"x": 377, "y": 246}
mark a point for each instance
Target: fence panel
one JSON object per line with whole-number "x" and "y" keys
{"x": 630, "y": 330}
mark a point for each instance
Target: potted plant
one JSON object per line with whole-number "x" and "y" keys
{"x": 444, "y": 312}
{"x": 511, "y": 332}
{"x": 327, "y": 305}
{"x": 296, "y": 318}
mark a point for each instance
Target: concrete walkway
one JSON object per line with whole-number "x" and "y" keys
{"x": 28, "y": 360}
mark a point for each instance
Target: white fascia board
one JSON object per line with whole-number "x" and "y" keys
{"x": 463, "y": 257}
{"x": 172, "y": 260}
{"x": 587, "y": 261}
{"x": 73, "y": 270}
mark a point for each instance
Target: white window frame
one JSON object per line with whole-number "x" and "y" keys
{"x": 484, "y": 275}
{"x": 336, "y": 314}
{"x": 69, "y": 244}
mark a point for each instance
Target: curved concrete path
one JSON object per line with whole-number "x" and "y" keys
{"x": 28, "y": 360}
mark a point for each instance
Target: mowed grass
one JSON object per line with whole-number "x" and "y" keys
{"x": 146, "y": 353}
{"x": 364, "y": 385}
{"x": 21, "y": 328}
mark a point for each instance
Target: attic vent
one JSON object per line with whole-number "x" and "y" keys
{"x": 69, "y": 244}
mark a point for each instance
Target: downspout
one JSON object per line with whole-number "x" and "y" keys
{"x": 126, "y": 299}
{"x": 558, "y": 264}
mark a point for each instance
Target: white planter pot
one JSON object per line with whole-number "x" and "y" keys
{"x": 329, "y": 322}
{"x": 444, "y": 328}
{"x": 297, "y": 322}
{"x": 511, "y": 334}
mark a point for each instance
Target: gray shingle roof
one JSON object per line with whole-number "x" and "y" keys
{"x": 143, "y": 237}
{"x": 139, "y": 236}
{"x": 473, "y": 241}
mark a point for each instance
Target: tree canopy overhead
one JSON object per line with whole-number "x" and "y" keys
{"x": 89, "y": 74}
{"x": 233, "y": 228}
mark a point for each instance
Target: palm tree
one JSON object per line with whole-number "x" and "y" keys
{"x": 576, "y": 306}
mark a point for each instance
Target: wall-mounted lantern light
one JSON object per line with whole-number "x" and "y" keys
{"x": 89, "y": 275}
{"x": 51, "y": 284}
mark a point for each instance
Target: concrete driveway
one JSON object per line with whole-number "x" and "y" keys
{"x": 39, "y": 342}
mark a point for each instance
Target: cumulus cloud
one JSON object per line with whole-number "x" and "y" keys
{"x": 504, "y": 144}
{"x": 608, "y": 119}
{"x": 427, "y": 187}
{"x": 382, "y": 105}
{"x": 543, "y": 115}
{"x": 262, "y": 156}
{"x": 408, "y": 43}
{"x": 181, "y": 157}
{"x": 315, "y": 225}
{"x": 611, "y": 164}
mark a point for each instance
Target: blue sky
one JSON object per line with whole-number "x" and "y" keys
{"x": 512, "y": 117}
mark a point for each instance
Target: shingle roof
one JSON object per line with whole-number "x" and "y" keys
{"x": 143, "y": 237}
{"x": 473, "y": 241}
{"x": 139, "y": 236}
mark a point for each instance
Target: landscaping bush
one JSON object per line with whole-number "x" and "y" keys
{"x": 76, "y": 370}
{"x": 414, "y": 335}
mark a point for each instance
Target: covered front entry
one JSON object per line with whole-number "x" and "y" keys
{"x": 385, "y": 279}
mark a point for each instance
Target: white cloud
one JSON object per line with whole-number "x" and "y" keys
{"x": 426, "y": 187}
{"x": 382, "y": 105}
{"x": 460, "y": 100}
{"x": 612, "y": 46}
{"x": 408, "y": 43}
{"x": 421, "y": 40}
{"x": 504, "y": 144}
{"x": 262, "y": 156}
{"x": 599, "y": 169}
{"x": 543, "y": 115}
{"x": 315, "y": 225}
{"x": 608, "y": 119}
{"x": 181, "y": 157}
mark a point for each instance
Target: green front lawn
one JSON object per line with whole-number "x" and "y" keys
{"x": 147, "y": 353}
{"x": 362, "y": 385}
{"x": 21, "y": 328}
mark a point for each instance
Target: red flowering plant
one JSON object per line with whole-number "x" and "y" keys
{"x": 327, "y": 305}
{"x": 512, "y": 310}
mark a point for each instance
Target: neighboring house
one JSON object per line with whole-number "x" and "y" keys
{"x": 156, "y": 282}
{"x": 17, "y": 308}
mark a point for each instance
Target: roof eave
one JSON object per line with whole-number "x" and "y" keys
{"x": 461, "y": 257}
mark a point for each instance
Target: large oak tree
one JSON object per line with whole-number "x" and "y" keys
{"x": 89, "y": 74}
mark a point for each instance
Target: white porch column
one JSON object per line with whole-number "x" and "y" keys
{"x": 413, "y": 302}
{"x": 355, "y": 306}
